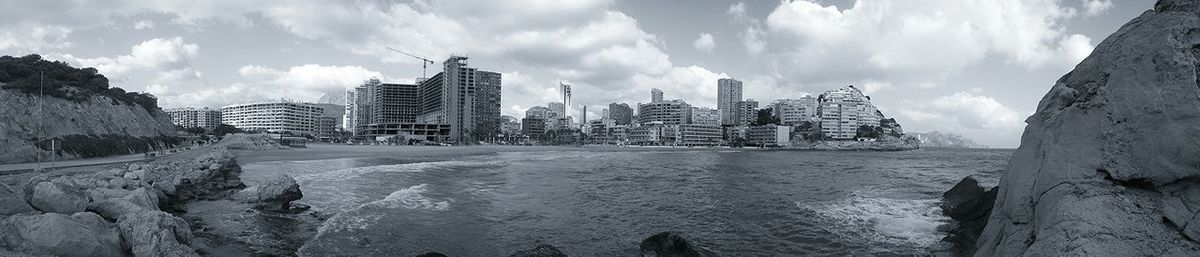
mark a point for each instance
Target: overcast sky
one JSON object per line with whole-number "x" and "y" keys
{"x": 973, "y": 67}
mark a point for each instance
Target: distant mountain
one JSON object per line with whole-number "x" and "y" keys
{"x": 940, "y": 139}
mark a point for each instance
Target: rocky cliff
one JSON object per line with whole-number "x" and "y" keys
{"x": 1109, "y": 165}
{"x": 94, "y": 127}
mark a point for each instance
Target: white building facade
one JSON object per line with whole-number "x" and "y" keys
{"x": 842, "y": 111}
{"x": 276, "y": 116}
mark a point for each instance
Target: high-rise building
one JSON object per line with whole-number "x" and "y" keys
{"x": 190, "y": 117}
{"x": 656, "y": 95}
{"x": 393, "y": 103}
{"x": 533, "y": 126}
{"x": 706, "y": 116}
{"x": 673, "y": 112}
{"x": 583, "y": 114}
{"x": 464, "y": 98}
{"x": 566, "y": 97}
{"x": 487, "y": 105}
{"x": 557, "y": 109}
{"x": 621, "y": 113}
{"x": 795, "y": 111}
{"x": 537, "y": 112}
{"x": 274, "y": 116}
{"x": 844, "y": 110}
{"x": 729, "y": 93}
{"x": 747, "y": 112}
{"x": 358, "y": 105}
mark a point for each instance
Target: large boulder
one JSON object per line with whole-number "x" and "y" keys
{"x": 1108, "y": 163}
{"x": 80, "y": 234}
{"x": 50, "y": 196}
{"x": 155, "y": 233}
{"x": 11, "y": 202}
{"x": 671, "y": 244}
{"x": 276, "y": 192}
{"x": 539, "y": 251}
{"x": 114, "y": 203}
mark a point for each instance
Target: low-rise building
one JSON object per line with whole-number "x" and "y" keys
{"x": 281, "y": 116}
{"x": 406, "y": 131}
{"x": 190, "y": 117}
{"x": 770, "y": 135}
{"x": 706, "y": 116}
{"x": 533, "y": 126}
{"x": 698, "y": 135}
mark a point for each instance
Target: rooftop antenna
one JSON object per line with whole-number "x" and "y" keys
{"x": 424, "y": 61}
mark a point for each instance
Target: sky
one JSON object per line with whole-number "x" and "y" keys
{"x": 971, "y": 67}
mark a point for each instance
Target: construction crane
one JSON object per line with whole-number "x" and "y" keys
{"x": 424, "y": 62}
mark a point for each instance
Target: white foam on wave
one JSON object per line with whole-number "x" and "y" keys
{"x": 410, "y": 198}
{"x": 406, "y": 167}
{"x": 911, "y": 222}
{"x": 366, "y": 214}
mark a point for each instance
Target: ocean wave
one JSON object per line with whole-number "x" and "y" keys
{"x": 368, "y": 214}
{"x": 341, "y": 174}
{"x": 911, "y": 222}
{"x": 410, "y": 198}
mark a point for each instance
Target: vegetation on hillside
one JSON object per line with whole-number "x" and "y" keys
{"x": 33, "y": 75}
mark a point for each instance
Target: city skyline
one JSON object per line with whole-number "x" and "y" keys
{"x": 218, "y": 53}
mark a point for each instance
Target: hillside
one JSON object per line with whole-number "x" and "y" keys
{"x": 942, "y": 139}
{"x": 79, "y": 108}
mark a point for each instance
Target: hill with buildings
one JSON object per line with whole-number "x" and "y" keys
{"x": 943, "y": 139}
{"x": 42, "y": 100}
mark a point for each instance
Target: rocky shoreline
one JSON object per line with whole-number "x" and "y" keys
{"x": 124, "y": 211}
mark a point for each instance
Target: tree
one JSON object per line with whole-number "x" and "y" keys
{"x": 225, "y": 129}
{"x": 764, "y": 117}
{"x": 868, "y": 131}
{"x": 194, "y": 130}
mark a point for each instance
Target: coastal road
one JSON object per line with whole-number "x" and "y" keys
{"x": 27, "y": 167}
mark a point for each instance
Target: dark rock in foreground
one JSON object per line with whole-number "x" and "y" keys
{"x": 671, "y": 244}
{"x": 969, "y": 205}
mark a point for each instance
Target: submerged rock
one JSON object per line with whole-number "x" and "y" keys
{"x": 968, "y": 205}
{"x": 671, "y": 244}
{"x": 275, "y": 193}
{"x": 539, "y": 251}
{"x": 155, "y": 233}
{"x": 80, "y": 234}
{"x": 1108, "y": 163}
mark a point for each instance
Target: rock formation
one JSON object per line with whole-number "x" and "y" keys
{"x": 274, "y": 193}
{"x": 671, "y": 244}
{"x": 968, "y": 205}
{"x": 116, "y": 212}
{"x": 1109, "y": 163}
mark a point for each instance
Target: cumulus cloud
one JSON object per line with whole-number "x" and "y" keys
{"x": 911, "y": 42}
{"x": 168, "y": 58}
{"x": 965, "y": 110}
{"x": 704, "y": 43}
{"x": 300, "y": 83}
{"x": 33, "y": 37}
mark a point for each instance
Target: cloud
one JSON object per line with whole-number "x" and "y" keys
{"x": 306, "y": 83}
{"x": 909, "y": 42}
{"x": 737, "y": 10}
{"x": 965, "y": 110}
{"x": 1096, "y": 7}
{"x": 33, "y": 37}
{"x": 169, "y": 58}
{"x": 704, "y": 43}
{"x": 143, "y": 24}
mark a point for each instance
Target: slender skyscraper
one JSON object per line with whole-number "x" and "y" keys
{"x": 566, "y": 95}
{"x": 729, "y": 93}
{"x": 656, "y": 95}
